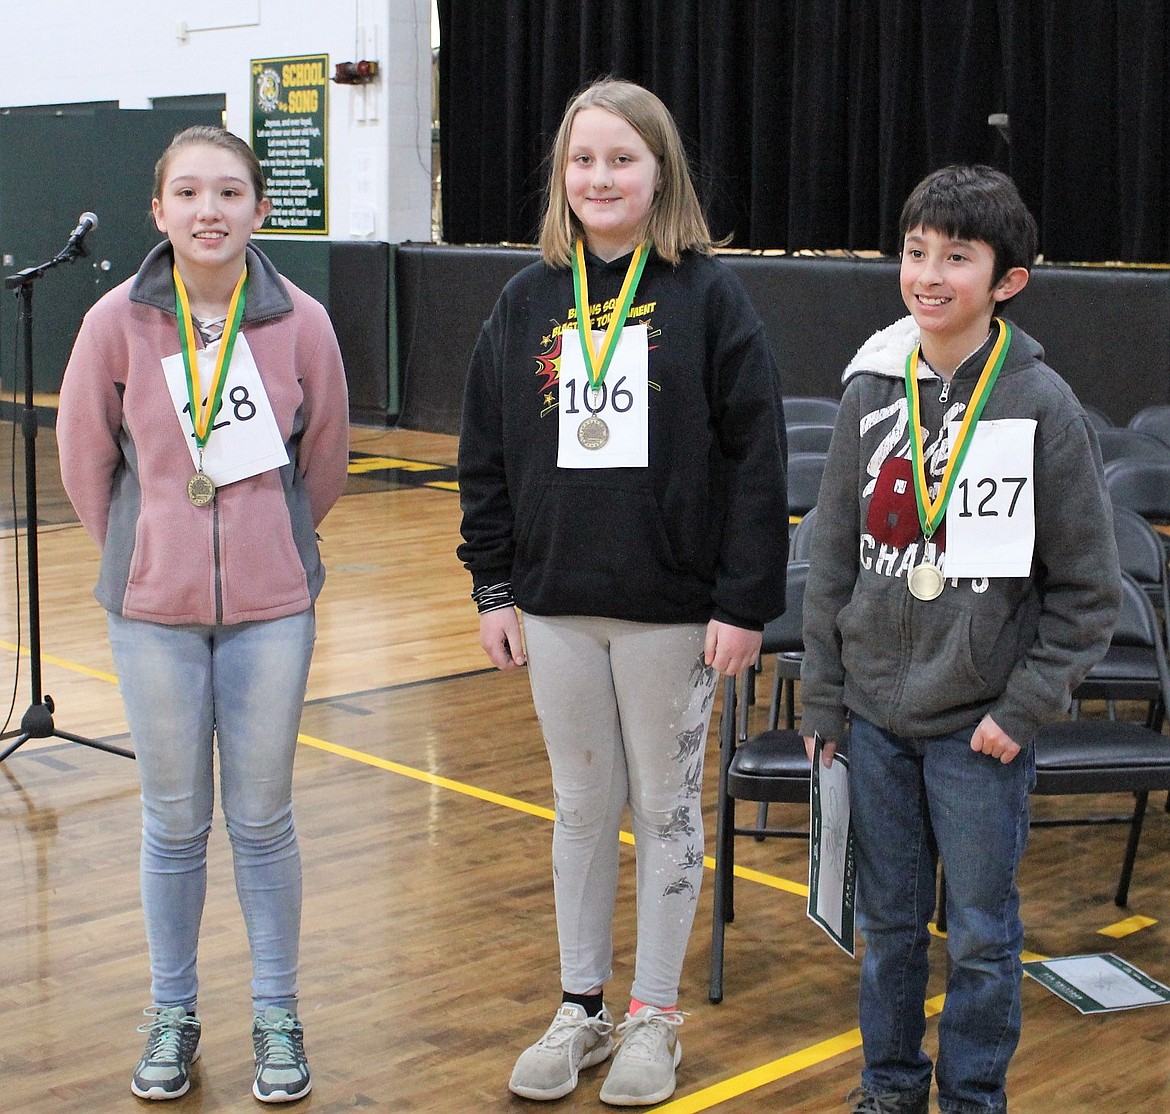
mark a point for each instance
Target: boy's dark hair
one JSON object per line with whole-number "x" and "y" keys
{"x": 975, "y": 203}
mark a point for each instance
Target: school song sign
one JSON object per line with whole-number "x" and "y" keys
{"x": 289, "y": 98}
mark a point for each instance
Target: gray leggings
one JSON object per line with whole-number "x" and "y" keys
{"x": 625, "y": 708}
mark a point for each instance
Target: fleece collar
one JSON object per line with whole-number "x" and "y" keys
{"x": 267, "y": 295}
{"x": 885, "y": 352}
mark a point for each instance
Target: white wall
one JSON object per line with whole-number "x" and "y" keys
{"x": 130, "y": 51}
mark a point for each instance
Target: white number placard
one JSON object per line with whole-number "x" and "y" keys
{"x": 245, "y": 440}
{"x": 991, "y": 516}
{"x": 606, "y": 428}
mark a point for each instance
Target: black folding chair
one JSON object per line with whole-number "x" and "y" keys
{"x": 1091, "y": 756}
{"x": 809, "y": 408}
{"x": 770, "y": 766}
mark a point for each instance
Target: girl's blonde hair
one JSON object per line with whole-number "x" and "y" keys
{"x": 675, "y": 222}
{"x": 215, "y": 137}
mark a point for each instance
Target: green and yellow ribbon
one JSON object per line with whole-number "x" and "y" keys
{"x": 597, "y": 361}
{"x": 202, "y": 413}
{"x": 931, "y": 511}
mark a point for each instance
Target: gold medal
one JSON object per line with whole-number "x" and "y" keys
{"x": 925, "y": 581}
{"x": 593, "y": 433}
{"x": 200, "y": 489}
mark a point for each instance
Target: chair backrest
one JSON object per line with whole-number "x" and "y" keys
{"x": 800, "y": 545}
{"x": 1098, "y": 418}
{"x": 1142, "y": 556}
{"x": 785, "y": 633}
{"x": 1137, "y": 625}
{"x": 1141, "y": 485}
{"x": 1124, "y": 441}
{"x": 1139, "y": 549}
{"x": 806, "y": 408}
{"x": 1154, "y": 420}
{"x": 804, "y": 481}
{"x": 809, "y": 437}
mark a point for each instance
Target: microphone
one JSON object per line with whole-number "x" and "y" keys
{"x": 85, "y": 223}
{"x": 74, "y": 248}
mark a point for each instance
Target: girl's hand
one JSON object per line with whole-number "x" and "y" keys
{"x": 499, "y": 635}
{"x": 730, "y": 650}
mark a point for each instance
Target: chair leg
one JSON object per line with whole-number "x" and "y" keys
{"x": 722, "y": 907}
{"x": 715, "y": 988}
{"x": 940, "y": 918}
{"x": 728, "y": 850}
{"x": 1121, "y": 898}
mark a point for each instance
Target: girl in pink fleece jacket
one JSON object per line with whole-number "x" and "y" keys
{"x": 203, "y": 434}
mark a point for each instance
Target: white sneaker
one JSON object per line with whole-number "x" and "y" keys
{"x": 642, "y": 1072}
{"x": 548, "y": 1069}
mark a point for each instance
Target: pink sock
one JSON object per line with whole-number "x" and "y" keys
{"x": 635, "y": 1006}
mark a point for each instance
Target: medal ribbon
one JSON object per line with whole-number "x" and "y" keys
{"x": 597, "y": 363}
{"x": 931, "y": 511}
{"x": 201, "y": 415}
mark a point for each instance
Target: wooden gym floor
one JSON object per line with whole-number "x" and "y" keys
{"x": 422, "y": 796}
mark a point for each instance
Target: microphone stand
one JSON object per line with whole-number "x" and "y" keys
{"x": 37, "y": 722}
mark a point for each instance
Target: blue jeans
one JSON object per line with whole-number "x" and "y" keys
{"x": 244, "y": 687}
{"x": 912, "y": 800}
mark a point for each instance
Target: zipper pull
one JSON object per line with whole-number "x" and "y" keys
{"x": 945, "y": 393}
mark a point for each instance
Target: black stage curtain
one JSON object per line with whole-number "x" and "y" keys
{"x": 808, "y": 121}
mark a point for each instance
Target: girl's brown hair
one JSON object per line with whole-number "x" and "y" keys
{"x": 215, "y": 137}
{"x": 675, "y": 223}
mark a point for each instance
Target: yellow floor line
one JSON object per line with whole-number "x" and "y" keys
{"x": 517, "y": 804}
{"x": 430, "y": 779}
{"x": 778, "y": 1069}
{"x": 383, "y": 463}
{"x": 1126, "y": 927}
{"x": 717, "y": 1093}
{"x": 48, "y": 659}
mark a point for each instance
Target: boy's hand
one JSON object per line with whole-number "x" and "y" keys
{"x": 827, "y": 751}
{"x": 499, "y": 635}
{"x": 990, "y": 738}
{"x": 730, "y": 650}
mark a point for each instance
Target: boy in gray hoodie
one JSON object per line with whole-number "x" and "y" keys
{"x": 963, "y": 581}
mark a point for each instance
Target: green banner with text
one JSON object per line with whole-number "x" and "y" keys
{"x": 289, "y": 101}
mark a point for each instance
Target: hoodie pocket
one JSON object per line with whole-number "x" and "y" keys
{"x": 584, "y": 542}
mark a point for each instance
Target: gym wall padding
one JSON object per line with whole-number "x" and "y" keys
{"x": 444, "y": 296}
{"x": 362, "y": 306}
{"x": 1106, "y": 330}
{"x": 354, "y": 281}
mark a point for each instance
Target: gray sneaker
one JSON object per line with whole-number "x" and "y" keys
{"x": 172, "y": 1046}
{"x": 282, "y": 1070}
{"x": 889, "y": 1102}
{"x": 642, "y": 1072}
{"x": 548, "y": 1069}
